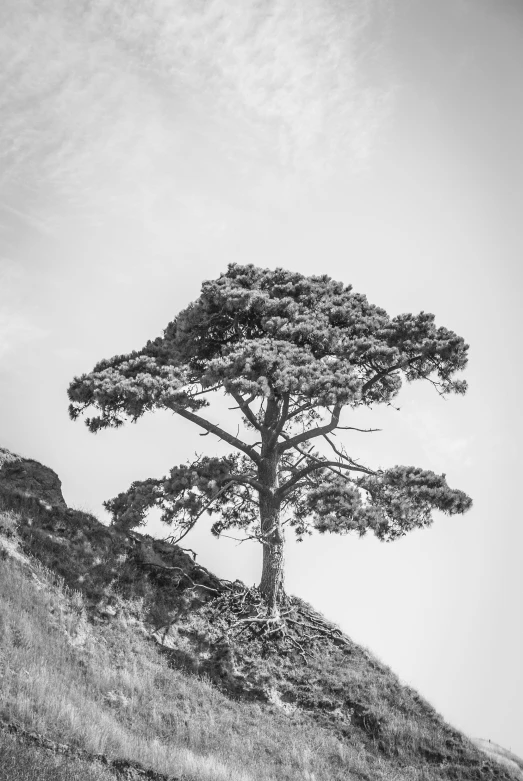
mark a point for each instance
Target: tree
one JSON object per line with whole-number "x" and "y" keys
{"x": 292, "y": 352}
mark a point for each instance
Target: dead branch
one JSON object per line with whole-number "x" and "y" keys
{"x": 363, "y": 430}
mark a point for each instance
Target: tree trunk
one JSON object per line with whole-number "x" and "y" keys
{"x": 272, "y": 579}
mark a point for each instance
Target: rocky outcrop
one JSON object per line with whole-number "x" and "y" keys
{"x": 30, "y": 478}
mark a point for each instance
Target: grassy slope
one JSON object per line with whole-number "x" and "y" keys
{"x": 78, "y": 665}
{"x": 18, "y": 762}
{"x": 502, "y": 755}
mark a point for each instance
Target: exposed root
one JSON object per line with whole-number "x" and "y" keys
{"x": 246, "y": 613}
{"x": 291, "y": 626}
{"x": 323, "y": 630}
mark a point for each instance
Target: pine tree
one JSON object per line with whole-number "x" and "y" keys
{"x": 292, "y": 352}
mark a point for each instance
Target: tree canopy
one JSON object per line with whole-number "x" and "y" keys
{"x": 292, "y": 352}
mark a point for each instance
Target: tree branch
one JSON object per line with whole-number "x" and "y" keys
{"x": 319, "y": 463}
{"x": 382, "y": 374}
{"x": 339, "y": 453}
{"x": 244, "y": 480}
{"x": 217, "y": 431}
{"x": 247, "y": 411}
{"x": 353, "y": 428}
{"x": 193, "y": 522}
{"x": 315, "y": 432}
{"x": 239, "y": 479}
{"x": 297, "y": 410}
{"x": 333, "y": 466}
{"x": 205, "y": 390}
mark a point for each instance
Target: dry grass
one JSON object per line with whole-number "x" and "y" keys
{"x": 18, "y": 762}
{"x": 107, "y": 690}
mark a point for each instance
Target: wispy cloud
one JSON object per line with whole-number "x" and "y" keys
{"x": 105, "y": 107}
{"x": 27, "y": 218}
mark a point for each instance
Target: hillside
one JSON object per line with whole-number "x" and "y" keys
{"x": 502, "y": 755}
{"x": 127, "y": 651}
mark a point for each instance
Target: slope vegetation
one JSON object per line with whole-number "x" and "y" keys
{"x": 124, "y": 646}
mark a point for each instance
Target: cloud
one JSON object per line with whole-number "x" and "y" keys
{"x": 102, "y": 108}
{"x": 28, "y": 219}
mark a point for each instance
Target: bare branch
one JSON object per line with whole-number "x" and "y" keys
{"x": 205, "y": 390}
{"x": 437, "y": 386}
{"x": 339, "y": 453}
{"x": 353, "y": 428}
{"x": 237, "y": 539}
{"x": 297, "y": 410}
{"x": 342, "y": 454}
{"x": 288, "y": 466}
{"x": 193, "y": 522}
{"x": 247, "y": 411}
{"x": 317, "y": 464}
{"x": 332, "y": 466}
{"x": 232, "y": 480}
{"x": 212, "y": 428}
{"x": 246, "y": 480}
{"x": 315, "y": 432}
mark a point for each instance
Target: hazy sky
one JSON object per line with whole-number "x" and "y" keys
{"x": 144, "y": 146}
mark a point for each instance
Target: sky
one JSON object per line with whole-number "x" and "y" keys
{"x": 144, "y": 146}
